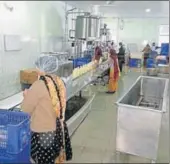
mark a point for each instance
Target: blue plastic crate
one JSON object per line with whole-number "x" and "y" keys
{"x": 80, "y": 62}
{"x": 22, "y": 157}
{"x": 88, "y": 57}
{"x": 161, "y": 62}
{"x": 150, "y": 63}
{"x": 136, "y": 63}
{"x": 15, "y": 132}
{"x": 165, "y": 49}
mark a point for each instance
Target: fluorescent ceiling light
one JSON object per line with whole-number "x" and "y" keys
{"x": 148, "y": 10}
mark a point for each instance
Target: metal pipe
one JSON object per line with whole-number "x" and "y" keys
{"x": 71, "y": 9}
{"x": 65, "y": 36}
{"x": 86, "y": 13}
{"x": 66, "y": 22}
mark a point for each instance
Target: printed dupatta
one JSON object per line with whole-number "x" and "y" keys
{"x": 57, "y": 93}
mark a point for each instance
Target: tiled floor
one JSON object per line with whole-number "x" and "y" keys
{"x": 94, "y": 140}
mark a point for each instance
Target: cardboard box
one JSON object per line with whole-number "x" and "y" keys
{"x": 28, "y": 76}
{"x": 137, "y": 55}
{"x": 164, "y": 69}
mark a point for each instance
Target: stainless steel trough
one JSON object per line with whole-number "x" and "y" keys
{"x": 139, "y": 117}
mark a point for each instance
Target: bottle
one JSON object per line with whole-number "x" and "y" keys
{"x": 74, "y": 73}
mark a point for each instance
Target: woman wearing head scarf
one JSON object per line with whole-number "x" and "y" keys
{"x": 114, "y": 72}
{"x": 98, "y": 54}
{"x": 45, "y": 101}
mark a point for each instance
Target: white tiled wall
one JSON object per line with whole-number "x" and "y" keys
{"x": 40, "y": 25}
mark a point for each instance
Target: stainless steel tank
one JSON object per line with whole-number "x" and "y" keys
{"x": 82, "y": 23}
{"x": 94, "y": 27}
{"x": 87, "y": 27}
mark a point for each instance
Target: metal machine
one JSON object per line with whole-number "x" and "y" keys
{"x": 105, "y": 34}
{"x": 87, "y": 28}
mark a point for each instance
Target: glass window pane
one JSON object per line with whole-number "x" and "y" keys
{"x": 164, "y": 30}
{"x": 163, "y": 39}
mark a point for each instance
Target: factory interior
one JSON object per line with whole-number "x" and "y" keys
{"x": 84, "y": 82}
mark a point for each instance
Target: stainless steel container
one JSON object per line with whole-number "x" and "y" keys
{"x": 82, "y": 24}
{"x": 87, "y": 27}
{"x": 94, "y": 27}
{"x": 139, "y": 117}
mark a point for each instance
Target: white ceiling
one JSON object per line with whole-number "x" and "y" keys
{"x": 126, "y": 8}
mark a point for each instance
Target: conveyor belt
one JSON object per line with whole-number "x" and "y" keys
{"x": 73, "y": 88}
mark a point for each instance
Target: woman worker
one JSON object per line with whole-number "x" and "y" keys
{"x": 114, "y": 72}
{"x": 146, "y": 52}
{"x": 97, "y": 54}
{"x": 121, "y": 56}
{"x": 45, "y": 101}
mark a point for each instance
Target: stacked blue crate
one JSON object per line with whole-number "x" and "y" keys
{"x": 135, "y": 63}
{"x": 150, "y": 63}
{"x": 165, "y": 49}
{"x": 15, "y": 137}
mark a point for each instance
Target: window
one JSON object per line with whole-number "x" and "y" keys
{"x": 163, "y": 34}
{"x": 164, "y": 30}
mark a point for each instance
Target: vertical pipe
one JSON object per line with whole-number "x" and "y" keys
{"x": 66, "y": 26}
{"x": 118, "y": 24}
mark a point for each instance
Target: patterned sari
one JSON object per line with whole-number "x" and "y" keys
{"x": 114, "y": 72}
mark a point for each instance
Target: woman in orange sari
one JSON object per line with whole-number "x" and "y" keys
{"x": 114, "y": 72}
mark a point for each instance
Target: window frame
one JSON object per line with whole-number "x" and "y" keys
{"x": 162, "y": 34}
